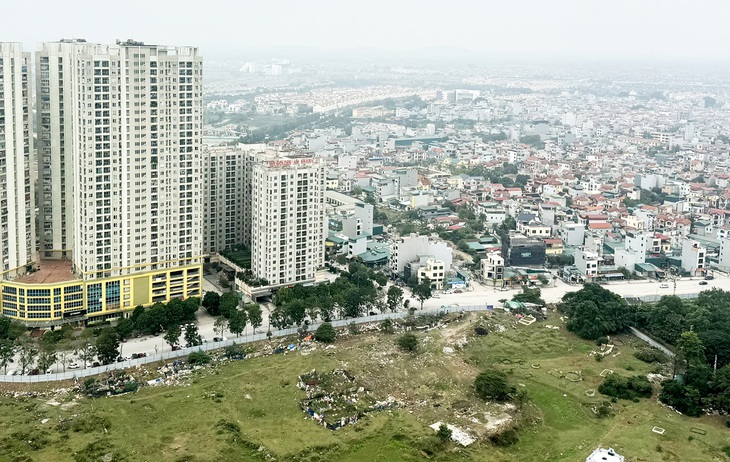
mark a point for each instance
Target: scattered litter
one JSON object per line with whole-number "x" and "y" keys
{"x": 527, "y": 320}
{"x": 448, "y": 350}
{"x": 605, "y": 372}
{"x": 44, "y": 421}
{"x": 551, "y": 327}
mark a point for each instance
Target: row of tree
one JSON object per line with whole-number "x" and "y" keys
{"x": 356, "y": 292}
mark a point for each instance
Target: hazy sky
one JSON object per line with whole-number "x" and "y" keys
{"x": 592, "y": 28}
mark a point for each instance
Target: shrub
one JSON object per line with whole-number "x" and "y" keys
{"x": 631, "y": 388}
{"x": 481, "y": 330}
{"x": 444, "y": 433}
{"x": 506, "y": 438}
{"x": 408, "y": 342}
{"x": 199, "y": 357}
{"x": 603, "y": 410}
{"x": 650, "y": 355}
{"x": 387, "y": 326}
{"x": 492, "y": 384}
{"x": 325, "y": 333}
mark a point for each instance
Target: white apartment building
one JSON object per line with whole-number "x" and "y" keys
{"x": 724, "y": 257}
{"x": 694, "y": 257}
{"x": 128, "y": 140}
{"x": 16, "y": 144}
{"x": 224, "y": 205}
{"x": 493, "y": 269}
{"x": 406, "y": 249}
{"x": 634, "y": 251}
{"x": 119, "y": 159}
{"x": 433, "y": 270}
{"x": 587, "y": 263}
{"x": 288, "y": 225}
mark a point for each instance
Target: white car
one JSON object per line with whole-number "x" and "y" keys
{"x": 663, "y": 286}
{"x": 73, "y": 366}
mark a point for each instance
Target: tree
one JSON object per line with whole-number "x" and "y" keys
{"x": 692, "y": 349}
{"x": 444, "y": 433}
{"x": 172, "y": 336}
{"x": 255, "y": 315}
{"x": 124, "y": 328}
{"x": 664, "y": 319}
{"x": 107, "y": 346}
{"x": 28, "y": 354}
{"x": 212, "y": 303}
{"x": 422, "y": 291}
{"x": 394, "y": 298}
{"x": 47, "y": 357}
{"x": 87, "y": 353}
{"x": 594, "y": 312}
{"x": 229, "y": 303}
{"x": 7, "y": 351}
{"x": 192, "y": 337}
{"x": 237, "y": 322}
{"x": 492, "y": 385}
{"x": 221, "y": 324}
{"x": 408, "y": 342}
{"x": 529, "y": 296}
{"x": 325, "y": 333}
{"x": 136, "y": 313}
{"x": 296, "y": 311}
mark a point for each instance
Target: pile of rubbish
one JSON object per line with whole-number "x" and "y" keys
{"x": 335, "y": 399}
{"x": 115, "y": 383}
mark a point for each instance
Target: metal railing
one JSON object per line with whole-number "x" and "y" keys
{"x": 184, "y": 352}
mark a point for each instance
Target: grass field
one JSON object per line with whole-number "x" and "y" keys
{"x": 248, "y": 410}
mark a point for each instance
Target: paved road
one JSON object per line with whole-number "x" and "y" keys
{"x": 481, "y": 295}
{"x": 478, "y": 295}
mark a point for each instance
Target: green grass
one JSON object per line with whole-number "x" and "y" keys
{"x": 213, "y": 419}
{"x": 240, "y": 257}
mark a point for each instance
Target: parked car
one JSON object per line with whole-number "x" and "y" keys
{"x": 458, "y": 291}
{"x": 709, "y": 278}
{"x": 703, "y": 283}
{"x": 663, "y": 286}
{"x": 73, "y": 365}
{"x": 95, "y": 364}
{"x": 176, "y": 347}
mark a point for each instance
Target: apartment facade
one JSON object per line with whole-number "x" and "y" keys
{"x": 16, "y": 145}
{"x": 120, "y": 162}
{"x": 224, "y": 179}
{"x": 287, "y": 218}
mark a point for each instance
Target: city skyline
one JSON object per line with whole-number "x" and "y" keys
{"x": 563, "y": 28}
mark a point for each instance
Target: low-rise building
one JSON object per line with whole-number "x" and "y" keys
{"x": 493, "y": 269}
{"x": 587, "y": 264}
{"x": 521, "y": 250}
{"x": 694, "y": 257}
{"x": 433, "y": 270}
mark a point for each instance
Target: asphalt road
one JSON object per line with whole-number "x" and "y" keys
{"x": 477, "y": 295}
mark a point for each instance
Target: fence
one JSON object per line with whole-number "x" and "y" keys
{"x": 184, "y": 352}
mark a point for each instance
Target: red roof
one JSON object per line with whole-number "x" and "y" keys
{"x": 600, "y": 226}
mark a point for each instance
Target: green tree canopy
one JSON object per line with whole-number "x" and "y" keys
{"x": 325, "y": 333}
{"x": 107, "y": 346}
{"x": 492, "y": 385}
{"x": 594, "y": 312}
